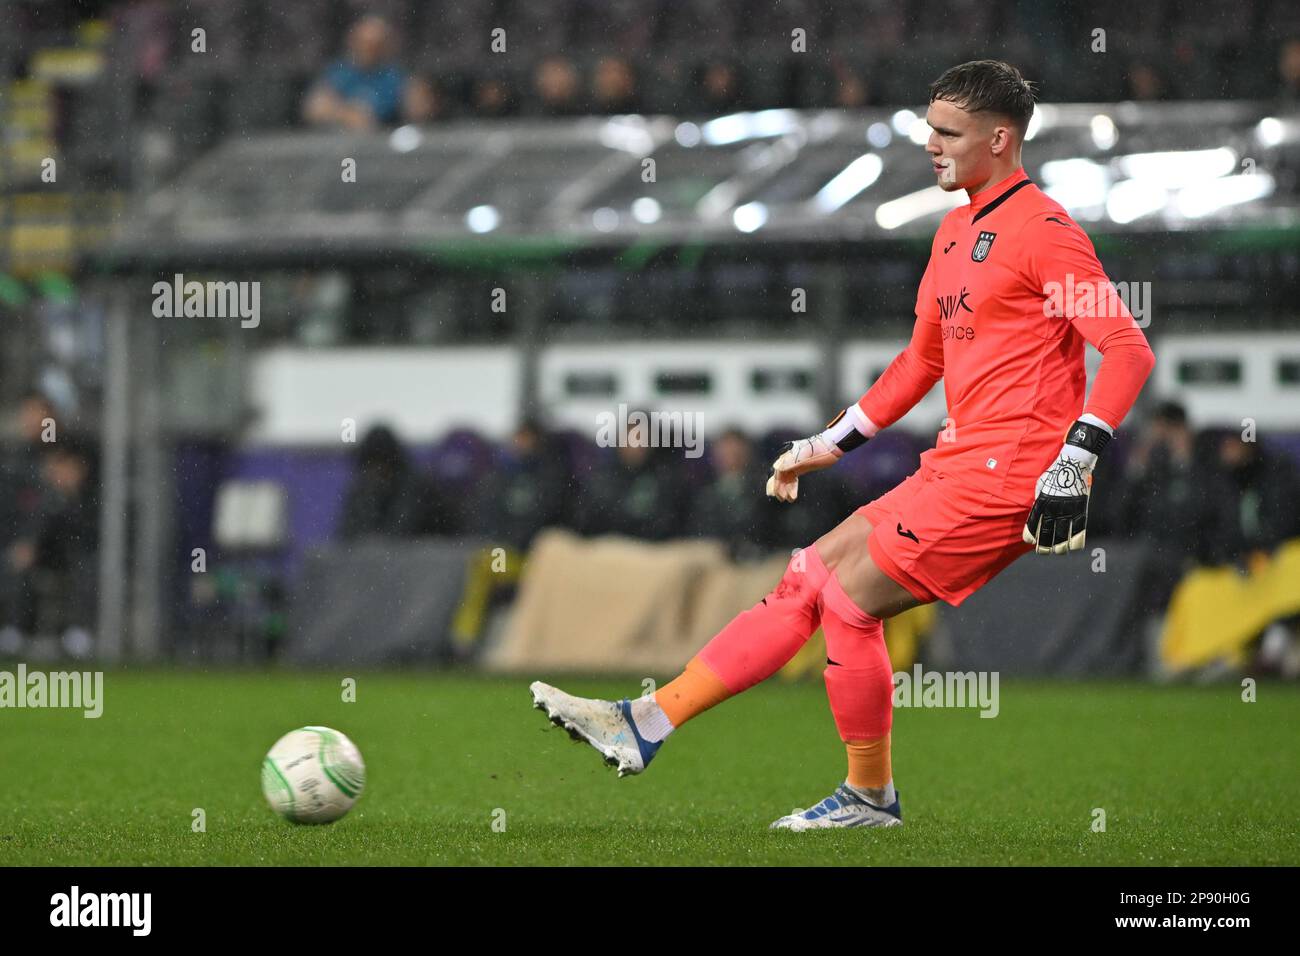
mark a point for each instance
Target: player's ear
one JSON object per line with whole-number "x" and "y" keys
{"x": 1001, "y": 139}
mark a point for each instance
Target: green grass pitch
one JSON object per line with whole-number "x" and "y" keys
{"x": 1186, "y": 776}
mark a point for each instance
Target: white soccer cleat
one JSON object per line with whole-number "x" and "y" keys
{"x": 843, "y": 808}
{"x": 605, "y": 724}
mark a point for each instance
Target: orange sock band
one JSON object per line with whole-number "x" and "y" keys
{"x": 869, "y": 762}
{"x": 692, "y": 692}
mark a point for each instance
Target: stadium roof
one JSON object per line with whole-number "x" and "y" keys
{"x": 775, "y": 175}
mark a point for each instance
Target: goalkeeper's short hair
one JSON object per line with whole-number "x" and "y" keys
{"x": 987, "y": 86}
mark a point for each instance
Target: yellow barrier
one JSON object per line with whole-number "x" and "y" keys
{"x": 1216, "y": 612}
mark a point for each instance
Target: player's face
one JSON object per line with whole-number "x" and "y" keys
{"x": 958, "y": 146}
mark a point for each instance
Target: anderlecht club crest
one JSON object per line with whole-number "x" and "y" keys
{"x": 980, "y": 252}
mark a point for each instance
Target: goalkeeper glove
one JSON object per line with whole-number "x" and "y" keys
{"x": 845, "y": 432}
{"x": 1058, "y": 522}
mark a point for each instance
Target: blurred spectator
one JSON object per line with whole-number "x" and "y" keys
{"x": 730, "y": 507}
{"x": 52, "y": 561}
{"x": 388, "y": 496}
{"x": 614, "y": 86}
{"x": 556, "y": 87}
{"x": 22, "y": 490}
{"x": 368, "y": 89}
{"x": 1215, "y": 500}
{"x": 20, "y": 479}
{"x": 850, "y": 90}
{"x": 421, "y": 102}
{"x": 492, "y": 96}
{"x": 527, "y": 493}
{"x": 1144, "y": 82}
{"x": 719, "y": 87}
{"x": 1192, "y": 73}
{"x": 641, "y": 495}
{"x": 1163, "y": 495}
{"x": 143, "y": 37}
{"x": 1288, "y": 69}
{"x": 67, "y": 537}
{"x": 1259, "y": 494}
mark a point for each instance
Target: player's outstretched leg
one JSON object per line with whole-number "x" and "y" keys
{"x": 860, "y": 686}
{"x": 756, "y": 644}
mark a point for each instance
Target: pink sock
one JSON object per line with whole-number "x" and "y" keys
{"x": 759, "y": 642}
{"x": 859, "y": 676}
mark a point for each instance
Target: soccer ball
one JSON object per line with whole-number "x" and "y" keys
{"x": 313, "y": 775}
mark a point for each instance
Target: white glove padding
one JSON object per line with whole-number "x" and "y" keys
{"x": 803, "y": 456}
{"x": 845, "y": 432}
{"x": 1058, "y": 522}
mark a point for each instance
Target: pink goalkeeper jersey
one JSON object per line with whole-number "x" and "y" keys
{"x": 1012, "y": 292}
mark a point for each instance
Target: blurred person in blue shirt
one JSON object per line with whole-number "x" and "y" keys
{"x": 369, "y": 89}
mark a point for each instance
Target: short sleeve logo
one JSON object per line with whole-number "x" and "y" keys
{"x": 983, "y": 244}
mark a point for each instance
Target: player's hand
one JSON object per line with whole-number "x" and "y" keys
{"x": 845, "y": 432}
{"x": 1058, "y": 522}
{"x": 799, "y": 458}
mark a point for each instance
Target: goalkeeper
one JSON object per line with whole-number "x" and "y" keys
{"x": 1011, "y": 294}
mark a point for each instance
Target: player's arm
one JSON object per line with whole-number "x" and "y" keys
{"x": 1062, "y": 257}
{"x": 907, "y": 380}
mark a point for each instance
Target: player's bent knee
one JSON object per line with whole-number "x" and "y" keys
{"x": 805, "y": 575}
